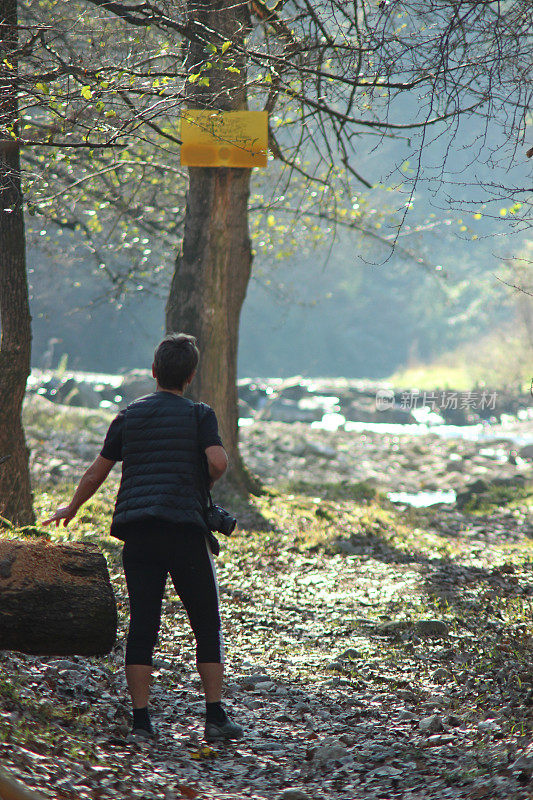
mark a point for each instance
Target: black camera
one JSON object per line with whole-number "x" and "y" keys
{"x": 219, "y": 520}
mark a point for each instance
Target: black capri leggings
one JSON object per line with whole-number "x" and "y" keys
{"x": 148, "y": 557}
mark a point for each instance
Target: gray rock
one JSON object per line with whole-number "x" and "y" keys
{"x": 430, "y": 724}
{"x": 56, "y": 468}
{"x": 345, "y": 547}
{"x": 348, "y": 739}
{"x": 488, "y": 726}
{"x": 454, "y": 466}
{"x": 265, "y": 686}
{"x": 387, "y": 771}
{"x": 436, "y": 701}
{"x": 431, "y": 629}
{"x": 245, "y": 410}
{"x": 438, "y": 739}
{"x": 406, "y": 694}
{"x": 524, "y": 762}
{"x": 252, "y": 393}
{"x": 73, "y": 676}
{"x": 526, "y": 452}
{"x": 280, "y": 410}
{"x": 349, "y": 655}
{"x": 293, "y": 794}
{"x": 454, "y": 721}
{"x": 137, "y": 383}
{"x": 78, "y": 394}
{"x": 253, "y": 680}
{"x": 407, "y": 715}
{"x": 476, "y": 487}
{"x": 330, "y": 750}
{"x": 369, "y": 412}
{"x": 320, "y": 449}
{"x": 441, "y": 675}
{"x": 392, "y": 629}
{"x": 62, "y": 664}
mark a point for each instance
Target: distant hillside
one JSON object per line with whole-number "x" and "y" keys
{"x": 503, "y": 358}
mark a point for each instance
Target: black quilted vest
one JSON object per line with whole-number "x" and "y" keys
{"x": 160, "y": 467}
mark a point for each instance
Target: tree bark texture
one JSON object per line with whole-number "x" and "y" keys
{"x": 15, "y": 344}
{"x": 214, "y": 264}
{"x": 55, "y": 599}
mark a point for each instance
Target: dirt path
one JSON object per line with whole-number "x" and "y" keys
{"x": 372, "y": 654}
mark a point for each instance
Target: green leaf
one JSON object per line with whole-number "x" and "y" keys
{"x": 42, "y": 87}
{"x": 87, "y": 92}
{"x": 233, "y": 69}
{"x": 203, "y": 81}
{"x": 224, "y": 47}
{"x": 194, "y": 77}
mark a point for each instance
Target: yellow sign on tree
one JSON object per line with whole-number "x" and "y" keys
{"x": 224, "y": 138}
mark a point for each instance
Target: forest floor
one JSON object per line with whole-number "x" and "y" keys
{"x": 373, "y": 652}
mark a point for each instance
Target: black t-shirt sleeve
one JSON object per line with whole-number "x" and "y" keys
{"x": 208, "y": 435}
{"x": 112, "y": 448}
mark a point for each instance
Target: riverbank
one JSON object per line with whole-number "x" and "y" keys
{"x": 63, "y": 440}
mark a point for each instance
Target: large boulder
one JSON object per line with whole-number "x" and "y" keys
{"x": 78, "y": 394}
{"x": 254, "y": 393}
{"x": 526, "y": 452}
{"x": 358, "y": 412}
{"x": 281, "y": 410}
{"x": 136, "y": 383}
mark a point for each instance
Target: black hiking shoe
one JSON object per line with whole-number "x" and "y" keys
{"x": 141, "y": 735}
{"x": 225, "y": 730}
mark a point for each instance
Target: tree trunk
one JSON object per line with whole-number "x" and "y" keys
{"x": 55, "y": 599}
{"x": 213, "y": 268}
{"x": 15, "y": 345}
{"x": 208, "y": 290}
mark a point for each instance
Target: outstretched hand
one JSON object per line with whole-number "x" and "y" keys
{"x": 64, "y": 513}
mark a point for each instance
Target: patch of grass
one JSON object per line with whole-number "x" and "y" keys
{"x": 42, "y": 415}
{"x": 318, "y": 523}
{"x": 340, "y": 490}
{"x": 495, "y": 497}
